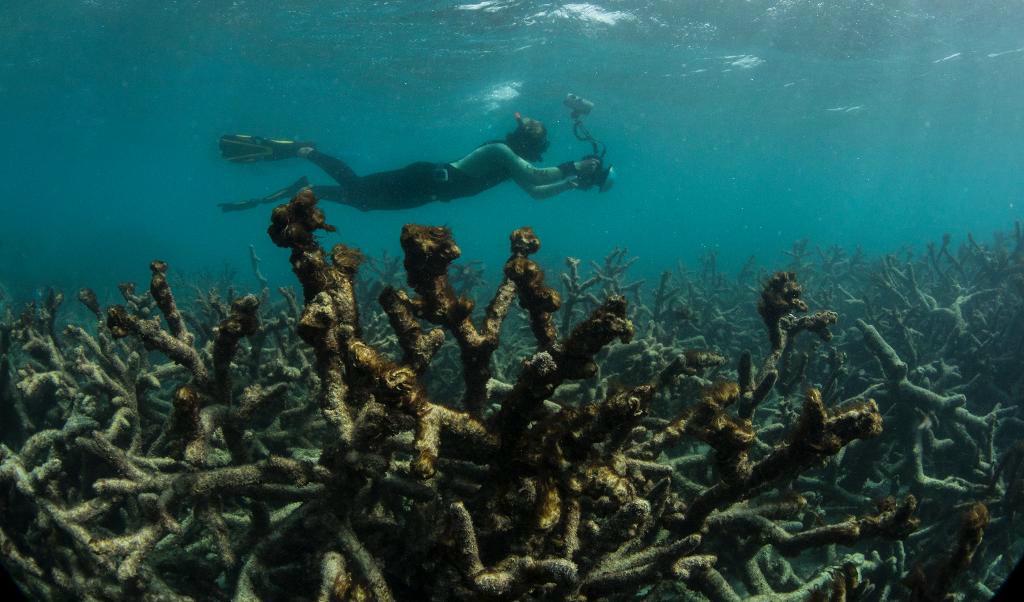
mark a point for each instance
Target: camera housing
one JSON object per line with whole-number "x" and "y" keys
{"x": 605, "y": 179}
{"x": 580, "y": 106}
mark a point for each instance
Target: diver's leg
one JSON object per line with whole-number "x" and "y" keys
{"x": 284, "y": 194}
{"x": 332, "y": 166}
{"x": 410, "y": 186}
{"x": 338, "y": 194}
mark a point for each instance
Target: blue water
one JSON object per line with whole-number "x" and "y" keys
{"x": 735, "y": 126}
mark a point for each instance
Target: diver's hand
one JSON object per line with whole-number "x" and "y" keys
{"x": 587, "y": 167}
{"x": 586, "y": 171}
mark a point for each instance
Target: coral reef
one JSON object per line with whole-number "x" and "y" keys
{"x": 367, "y": 441}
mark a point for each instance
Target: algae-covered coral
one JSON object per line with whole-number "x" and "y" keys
{"x": 368, "y": 442}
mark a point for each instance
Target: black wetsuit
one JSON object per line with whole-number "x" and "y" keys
{"x": 411, "y": 186}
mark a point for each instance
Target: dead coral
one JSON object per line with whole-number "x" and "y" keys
{"x": 217, "y": 475}
{"x": 935, "y": 583}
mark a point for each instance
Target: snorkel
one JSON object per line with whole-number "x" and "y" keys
{"x": 604, "y": 177}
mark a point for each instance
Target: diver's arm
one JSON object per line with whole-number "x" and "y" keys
{"x": 549, "y": 190}
{"x": 483, "y": 161}
{"x": 527, "y": 175}
{"x": 570, "y": 174}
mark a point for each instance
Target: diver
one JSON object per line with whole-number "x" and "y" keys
{"x": 423, "y": 182}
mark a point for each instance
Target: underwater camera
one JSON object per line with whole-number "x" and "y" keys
{"x": 604, "y": 177}
{"x": 580, "y": 106}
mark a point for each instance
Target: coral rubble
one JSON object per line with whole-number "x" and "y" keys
{"x": 331, "y": 448}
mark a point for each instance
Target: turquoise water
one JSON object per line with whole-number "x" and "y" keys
{"x": 736, "y": 126}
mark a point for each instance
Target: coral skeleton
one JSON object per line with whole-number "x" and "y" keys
{"x": 367, "y": 441}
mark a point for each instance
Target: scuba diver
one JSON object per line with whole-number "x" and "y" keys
{"x": 423, "y": 182}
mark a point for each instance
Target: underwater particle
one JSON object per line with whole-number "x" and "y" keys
{"x": 846, "y": 109}
{"x": 746, "y": 61}
{"x": 592, "y": 13}
{"x": 993, "y": 55}
{"x": 947, "y": 58}
{"x": 499, "y": 94}
{"x": 488, "y": 6}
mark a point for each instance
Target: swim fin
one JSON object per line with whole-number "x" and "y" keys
{"x": 284, "y": 194}
{"x": 242, "y": 148}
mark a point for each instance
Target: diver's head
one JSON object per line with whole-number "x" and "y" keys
{"x": 529, "y": 140}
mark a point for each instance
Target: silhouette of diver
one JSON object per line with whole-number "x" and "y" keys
{"x": 422, "y": 182}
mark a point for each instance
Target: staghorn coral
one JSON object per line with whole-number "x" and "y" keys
{"x": 945, "y": 570}
{"x": 233, "y": 449}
